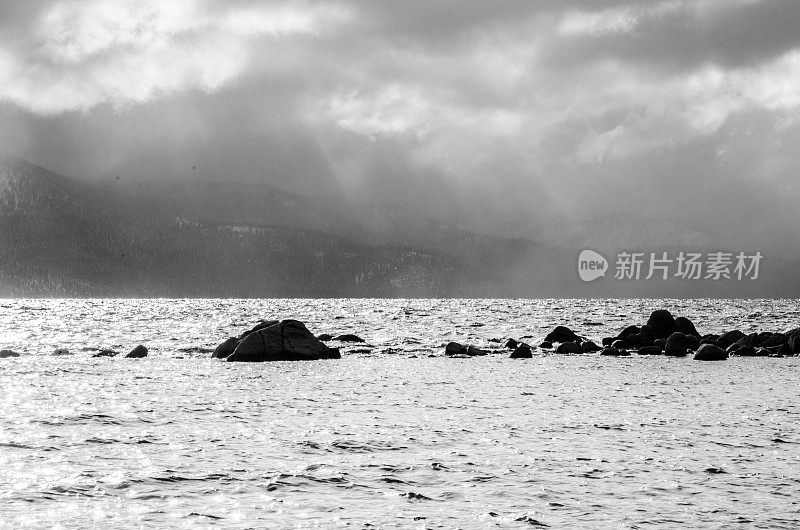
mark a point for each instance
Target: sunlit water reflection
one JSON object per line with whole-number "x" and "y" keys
{"x": 390, "y": 437}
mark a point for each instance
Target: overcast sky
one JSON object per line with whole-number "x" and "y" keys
{"x": 682, "y": 110}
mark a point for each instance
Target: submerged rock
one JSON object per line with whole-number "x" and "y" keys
{"x": 709, "y": 352}
{"x": 348, "y": 337}
{"x": 61, "y": 351}
{"x": 106, "y": 353}
{"x": 5, "y": 354}
{"x": 139, "y": 352}
{"x": 325, "y": 337}
{"x": 287, "y": 340}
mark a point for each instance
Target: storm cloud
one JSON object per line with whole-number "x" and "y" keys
{"x": 511, "y": 113}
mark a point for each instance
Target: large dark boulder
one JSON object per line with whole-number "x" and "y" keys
{"x": 662, "y": 322}
{"x": 748, "y": 340}
{"x": 677, "y": 345}
{"x": 5, "y": 354}
{"x": 630, "y": 330}
{"x": 523, "y": 351}
{"x": 139, "y": 352}
{"x": 287, "y": 340}
{"x": 562, "y": 334}
{"x": 709, "y": 352}
{"x": 686, "y": 326}
{"x": 726, "y": 339}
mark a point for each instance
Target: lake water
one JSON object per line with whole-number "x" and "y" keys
{"x": 389, "y": 436}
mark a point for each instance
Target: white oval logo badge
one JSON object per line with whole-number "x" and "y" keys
{"x": 591, "y": 265}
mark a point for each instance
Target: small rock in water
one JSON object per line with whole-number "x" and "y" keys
{"x": 138, "y": 352}
{"x": 61, "y": 351}
{"x": 546, "y": 345}
{"x": 590, "y": 347}
{"x": 106, "y": 353}
{"x": 562, "y": 334}
{"x": 348, "y": 337}
{"x": 5, "y": 354}
{"x": 325, "y": 337}
{"x": 510, "y": 344}
{"x": 523, "y": 351}
{"x": 709, "y": 352}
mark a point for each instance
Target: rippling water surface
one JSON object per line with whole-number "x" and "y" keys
{"x": 390, "y": 436}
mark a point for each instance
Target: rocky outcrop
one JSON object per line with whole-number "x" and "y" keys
{"x": 5, "y": 354}
{"x": 522, "y": 351}
{"x": 287, "y": 340}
